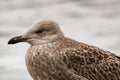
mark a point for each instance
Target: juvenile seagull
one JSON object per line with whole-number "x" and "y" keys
{"x": 52, "y": 56}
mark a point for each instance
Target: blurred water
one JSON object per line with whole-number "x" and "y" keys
{"x": 96, "y": 22}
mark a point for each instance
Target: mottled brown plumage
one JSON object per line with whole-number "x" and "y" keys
{"x": 52, "y": 56}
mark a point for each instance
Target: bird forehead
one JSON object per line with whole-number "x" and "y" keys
{"x": 45, "y": 26}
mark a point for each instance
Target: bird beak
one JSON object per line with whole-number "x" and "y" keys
{"x": 17, "y": 40}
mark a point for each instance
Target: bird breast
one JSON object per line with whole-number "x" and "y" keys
{"x": 41, "y": 61}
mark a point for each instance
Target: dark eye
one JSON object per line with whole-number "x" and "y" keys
{"x": 39, "y": 31}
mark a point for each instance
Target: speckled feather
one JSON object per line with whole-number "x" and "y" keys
{"x": 52, "y": 56}
{"x": 67, "y": 59}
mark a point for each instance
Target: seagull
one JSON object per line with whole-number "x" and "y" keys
{"x": 52, "y": 56}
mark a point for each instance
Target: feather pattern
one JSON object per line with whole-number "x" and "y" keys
{"x": 72, "y": 60}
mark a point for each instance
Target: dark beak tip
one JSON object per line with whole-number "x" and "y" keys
{"x": 15, "y": 40}
{"x": 10, "y": 42}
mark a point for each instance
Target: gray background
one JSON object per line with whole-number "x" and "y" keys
{"x": 96, "y": 22}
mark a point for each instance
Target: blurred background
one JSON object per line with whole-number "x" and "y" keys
{"x": 95, "y": 22}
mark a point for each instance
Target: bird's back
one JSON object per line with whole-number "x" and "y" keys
{"x": 91, "y": 62}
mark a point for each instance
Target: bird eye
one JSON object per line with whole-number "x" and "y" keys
{"x": 39, "y": 31}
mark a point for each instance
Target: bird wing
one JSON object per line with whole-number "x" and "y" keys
{"x": 92, "y": 63}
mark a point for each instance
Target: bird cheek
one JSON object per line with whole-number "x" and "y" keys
{"x": 31, "y": 41}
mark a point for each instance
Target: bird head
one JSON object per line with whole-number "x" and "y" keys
{"x": 42, "y": 32}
